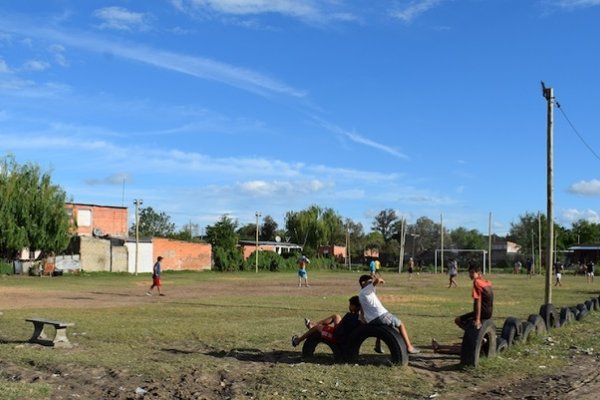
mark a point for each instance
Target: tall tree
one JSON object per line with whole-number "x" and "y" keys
{"x": 153, "y": 223}
{"x": 268, "y": 229}
{"x": 32, "y": 211}
{"x": 247, "y": 232}
{"x": 463, "y": 238}
{"x": 222, "y": 235}
{"x": 385, "y": 223}
{"x": 584, "y": 231}
{"x": 423, "y": 235}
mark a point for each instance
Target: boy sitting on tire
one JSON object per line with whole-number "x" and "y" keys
{"x": 483, "y": 305}
{"x": 333, "y": 328}
{"x": 374, "y": 312}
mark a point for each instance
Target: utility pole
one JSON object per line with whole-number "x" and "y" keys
{"x": 490, "y": 244}
{"x": 138, "y": 203}
{"x": 257, "y": 215}
{"x": 549, "y": 96}
{"x": 441, "y": 244}
{"x": 402, "y": 242}
{"x": 539, "y": 243}
{"x": 348, "y": 246}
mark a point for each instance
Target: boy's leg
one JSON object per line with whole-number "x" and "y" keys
{"x": 333, "y": 319}
{"x": 404, "y": 335}
{"x": 306, "y": 334}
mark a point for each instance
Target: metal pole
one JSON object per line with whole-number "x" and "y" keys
{"x": 402, "y": 242}
{"x": 539, "y": 243}
{"x": 549, "y": 95}
{"x": 490, "y": 244}
{"x": 441, "y": 246}
{"x": 257, "y": 215}
{"x": 137, "y": 203}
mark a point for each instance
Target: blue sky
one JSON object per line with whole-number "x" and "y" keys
{"x": 210, "y": 107}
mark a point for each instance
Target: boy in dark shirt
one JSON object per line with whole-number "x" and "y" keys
{"x": 333, "y": 328}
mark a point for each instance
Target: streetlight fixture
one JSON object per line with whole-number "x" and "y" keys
{"x": 257, "y": 214}
{"x": 138, "y": 203}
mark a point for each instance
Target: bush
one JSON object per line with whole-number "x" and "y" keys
{"x": 6, "y": 268}
{"x": 228, "y": 260}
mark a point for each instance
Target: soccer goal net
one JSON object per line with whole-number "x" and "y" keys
{"x": 462, "y": 256}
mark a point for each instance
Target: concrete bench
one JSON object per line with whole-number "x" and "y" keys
{"x": 39, "y": 336}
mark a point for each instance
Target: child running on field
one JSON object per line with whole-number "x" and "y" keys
{"x": 302, "y": 274}
{"x": 334, "y": 327}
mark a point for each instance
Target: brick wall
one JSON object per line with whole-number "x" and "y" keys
{"x": 248, "y": 249}
{"x": 107, "y": 219}
{"x": 179, "y": 255}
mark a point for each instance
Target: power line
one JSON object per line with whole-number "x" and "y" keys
{"x": 576, "y": 132}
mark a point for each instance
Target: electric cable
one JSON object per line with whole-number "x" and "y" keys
{"x": 576, "y": 132}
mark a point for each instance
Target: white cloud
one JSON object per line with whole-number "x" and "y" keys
{"x": 35, "y": 65}
{"x": 572, "y": 4}
{"x": 114, "y": 179}
{"x": 586, "y": 188}
{"x": 357, "y": 138}
{"x": 280, "y": 188}
{"x": 306, "y": 10}
{"x": 573, "y": 215}
{"x": 120, "y": 18}
{"x": 414, "y": 9}
{"x": 58, "y": 53}
{"x": 4, "y": 67}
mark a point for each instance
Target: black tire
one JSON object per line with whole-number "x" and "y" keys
{"x": 511, "y": 330}
{"x": 589, "y": 305}
{"x": 550, "y": 316}
{"x": 501, "y": 345}
{"x": 596, "y": 303}
{"x": 539, "y": 326}
{"x": 583, "y": 312}
{"x": 566, "y": 316}
{"x": 311, "y": 343}
{"x": 478, "y": 342}
{"x": 575, "y": 311}
{"x": 398, "y": 354}
{"x": 527, "y": 331}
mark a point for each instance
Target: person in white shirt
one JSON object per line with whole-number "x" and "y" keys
{"x": 374, "y": 312}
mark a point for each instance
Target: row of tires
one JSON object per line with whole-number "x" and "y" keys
{"x": 487, "y": 341}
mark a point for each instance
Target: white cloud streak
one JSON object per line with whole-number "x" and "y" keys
{"x": 414, "y": 10}
{"x": 586, "y": 188}
{"x": 574, "y": 4}
{"x": 120, "y": 18}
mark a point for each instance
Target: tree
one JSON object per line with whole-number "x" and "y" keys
{"x": 463, "y": 238}
{"x": 385, "y": 223}
{"x": 153, "y": 223}
{"x": 268, "y": 229}
{"x": 222, "y": 235}
{"x": 314, "y": 227}
{"x": 356, "y": 238}
{"x": 525, "y": 232}
{"x": 424, "y": 235}
{"x": 583, "y": 231}
{"x": 32, "y": 211}
{"x": 247, "y": 232}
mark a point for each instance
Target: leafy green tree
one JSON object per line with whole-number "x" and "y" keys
{"x": 268, "y": 229}
{"x": 525, "y": 232}
{"x": 462, "y": 238}
{"x": 423, "y": 235}
{"x": 386, "y": 223}
{"x": 153, "y": 223}
{"x": 32, "y": 211}
{"x": 314, "y": 227}
{"x": 356, "y": 238}
{"x": 583, "y": 231}
{"x": 224, "y": 239}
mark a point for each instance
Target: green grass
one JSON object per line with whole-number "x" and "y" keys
{"x": 234, "y": 321}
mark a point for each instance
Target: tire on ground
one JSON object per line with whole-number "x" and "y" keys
{"x": 596, "y": 303}
{"x": 550, "y": 316}
{"x": 566, "y": 316}
{"x": 391, "y": 337}
{"x": 539, "y": 326}
{"x": 311, "y": 343}
{"x": 575, "y": 311}
{"x": 501, "y": 344}
{"x": 583, "y": 312}
{"x": 511, "y": 330}
{"x": 478, "y": 342}
{"x": 589, "y": 305}
{"x": 526, "y": 332}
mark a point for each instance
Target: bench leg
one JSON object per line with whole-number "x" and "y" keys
{"x": 61, "y": 339}
{"x": 38, "y": 333}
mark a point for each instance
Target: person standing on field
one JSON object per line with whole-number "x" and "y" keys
{"x": 156, "y": 270}
{"x": 452, "y": 272}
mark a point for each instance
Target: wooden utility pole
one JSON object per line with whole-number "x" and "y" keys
{"x": 549, "y": 95}
{"x": 256, "y": 254}
{"x": 441, "y": 244}
{"x": 490, "y": 244}
{"x": 137, "y": 203}
{"x": 402, "y": 241}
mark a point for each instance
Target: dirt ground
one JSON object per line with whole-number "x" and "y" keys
{"x": 580, "y": 380}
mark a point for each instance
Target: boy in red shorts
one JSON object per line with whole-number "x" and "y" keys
{"x": 156, "y": 277}
{"x": 333, "y": 328}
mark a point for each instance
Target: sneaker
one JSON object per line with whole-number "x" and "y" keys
{"x": 414, "y": 351}
{"x": 148, "y": 294}
{"x": 294, "y": 341}
{"x": 307, "y": 323}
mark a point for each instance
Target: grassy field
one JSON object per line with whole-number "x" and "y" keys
{"x": 228, "y": 335}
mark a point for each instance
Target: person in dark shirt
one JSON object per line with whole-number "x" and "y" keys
{"x": 333, "y": 328}
{"x": 483, "y": 307}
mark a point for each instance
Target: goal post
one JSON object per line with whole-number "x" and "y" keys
{"x": 455, "y": 251}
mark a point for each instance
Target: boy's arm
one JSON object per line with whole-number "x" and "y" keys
{"x": 378, "y": 280}
{"x": 477, "y": 311}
